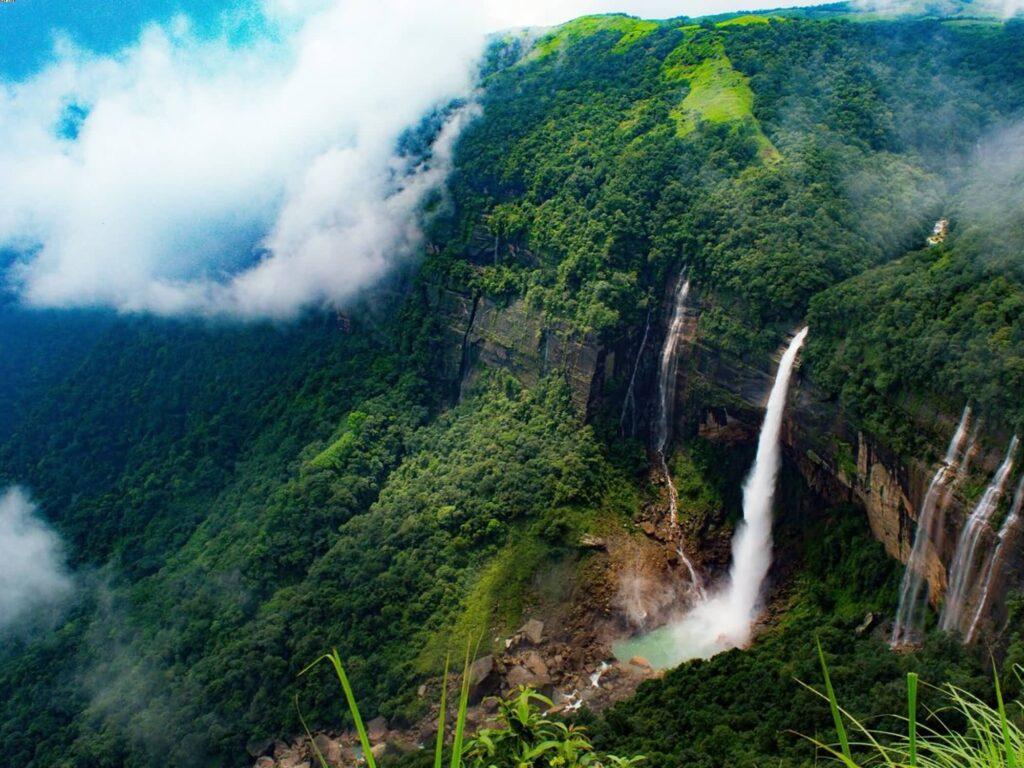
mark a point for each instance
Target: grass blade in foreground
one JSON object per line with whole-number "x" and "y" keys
{"x": 833, "y": 704}
{"x": 912, "y": 716}
{"x": 339, "y": 669}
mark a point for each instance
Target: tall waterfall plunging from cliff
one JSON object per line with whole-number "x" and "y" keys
{"x": 906, "y": 628}
{"x": 668, "y": 367}
{"x": 962, "y": 571}
{"x": 726, "y": 618}
{"x": 1008, "y": 535}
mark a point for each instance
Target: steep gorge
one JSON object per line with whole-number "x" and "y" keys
{"x": 720, "y": 398}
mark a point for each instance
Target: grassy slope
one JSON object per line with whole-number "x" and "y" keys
{"x": 717, "y": 92}
{"x": 627, "y": 31}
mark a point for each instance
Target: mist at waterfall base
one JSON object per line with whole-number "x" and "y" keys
{"x": 725, "y": 618}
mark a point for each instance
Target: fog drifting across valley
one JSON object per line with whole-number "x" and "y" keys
{"x": 33, "y": 575}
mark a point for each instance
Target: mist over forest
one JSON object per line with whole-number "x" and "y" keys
{"x": 569, "y": 384}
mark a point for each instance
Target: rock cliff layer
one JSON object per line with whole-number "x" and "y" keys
{"x": 721, "y": 398}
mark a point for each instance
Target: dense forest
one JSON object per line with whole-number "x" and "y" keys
{"x": 238, "y": 498}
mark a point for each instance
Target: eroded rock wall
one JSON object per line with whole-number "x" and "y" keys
{"x": 483, "y": 334}
{"x": 720, "y": 397}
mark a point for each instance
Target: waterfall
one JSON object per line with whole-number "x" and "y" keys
{"x": 725, "y": 620}
{"x": 961, "y": 571}
{"x": 668, "y": 367}
{"x": 696, "y": 582}
{"x": 906, "y": 628}
{"x": 1008, "y": 534}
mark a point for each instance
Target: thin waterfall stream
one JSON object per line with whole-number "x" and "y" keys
{"x": 907, "y": 627}
{"x": 725, "y": 617}
{"x": 1009, "y": 532}
{"x": 668, "y": 369}
{"x": 629, "y": 402}
{"x": 962, "y": 570}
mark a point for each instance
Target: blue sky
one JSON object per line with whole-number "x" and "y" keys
{"x": 27, "y": 27}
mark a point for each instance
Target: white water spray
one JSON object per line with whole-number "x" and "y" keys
{"x": 962, "y": 570}
{"x": 725, "y": 620}
{"x": 906, "y": 628}
{"x": 1008, "y": 535}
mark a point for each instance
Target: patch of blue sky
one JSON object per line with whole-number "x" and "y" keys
{"x": 29, "y": 28}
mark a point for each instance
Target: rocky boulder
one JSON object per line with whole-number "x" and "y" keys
{"x": 330, "y": 750}
{"x": 377, "y": 729}
{"x": 532, "y": 631}
{"x": 260, "y": 747}
{"x": 483, "y": 679}
{"x": 529, "y": 670}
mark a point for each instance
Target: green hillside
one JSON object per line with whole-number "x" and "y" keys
{"x": 240, "y": 498}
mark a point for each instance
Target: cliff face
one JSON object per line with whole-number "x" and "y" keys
{"x": 481, "y": 334}
{"x": 720, "y": 398}
{"x": 724, "y": 398}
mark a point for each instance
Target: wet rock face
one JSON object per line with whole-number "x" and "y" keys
{"x": 723, "y": 402}
{"x": 719, "y": 425}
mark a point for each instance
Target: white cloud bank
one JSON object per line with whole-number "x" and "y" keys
{"x": 1004, "y": 9}
{"x": 33, "y": 574}
{"x": 193, "y": 152}
{"x": 253, "y": 180}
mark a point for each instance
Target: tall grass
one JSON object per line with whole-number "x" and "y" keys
{"x": 526, "y": 736}
{"x": 334, "y": 661}
{"x": 989, "y": 738}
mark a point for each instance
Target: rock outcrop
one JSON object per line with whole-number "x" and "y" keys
{"x": 483, "y": 334}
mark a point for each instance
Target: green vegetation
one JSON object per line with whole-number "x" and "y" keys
{"x": 945, "y": 324}
{"x": 590, "y": 175}
{"x": 990, "y": 736}
{"x": 240, "y": 498}
{"x": 527, "y": 739}
{"x": 717, "y": 92}
{"x": 627, "y": 29}
{"x": 708, "y": 479}
{"x": 495, "y": 602}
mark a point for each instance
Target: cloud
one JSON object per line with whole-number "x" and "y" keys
{"x": 33, "y": 574}
{"x": 194, "y": 175}
{"x": 1004, "y": 9}
{"x": 188, "y": 175}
